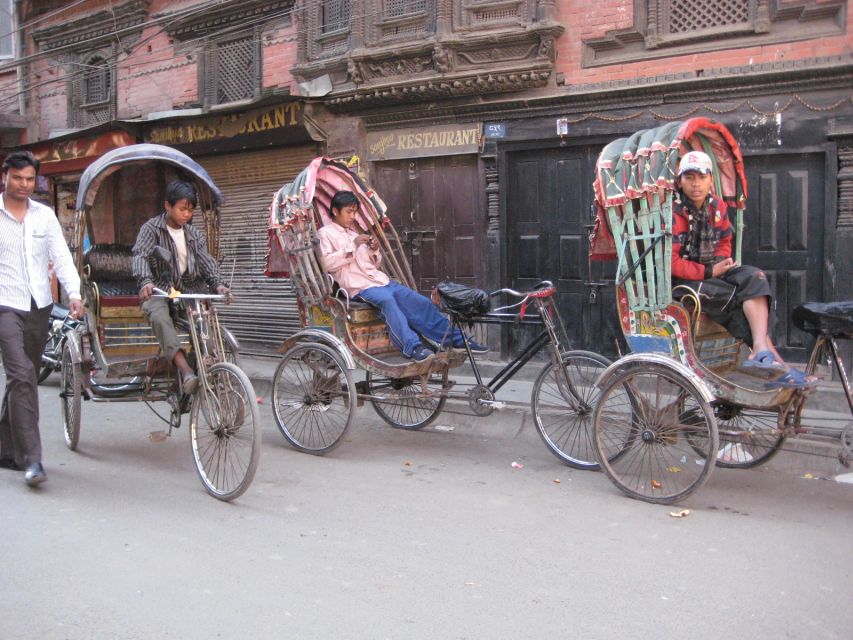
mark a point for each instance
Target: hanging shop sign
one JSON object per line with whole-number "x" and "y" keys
{"x": 278, "y": 124}
{"x": 421, "y": 142}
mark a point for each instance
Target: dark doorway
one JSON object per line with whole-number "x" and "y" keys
{"x": 548, "y": 200}
{"x": 434, "y": 203}
{"x": 784, "y": 235}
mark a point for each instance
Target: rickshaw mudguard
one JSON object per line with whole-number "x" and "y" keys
{"x": 75, "y": 346}
{"x": 640, "y": 360}
{"x": 231, "y": 339}
{"x": 323, "y": 337}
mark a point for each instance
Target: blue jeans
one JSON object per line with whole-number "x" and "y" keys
{"x": 407, "y": 314}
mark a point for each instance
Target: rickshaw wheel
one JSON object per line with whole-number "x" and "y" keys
{"x": 226, "y": 437}
{"x": 313, "y": 397}
{"x": 407, "y": 407}
{"x": 748, "y": 437}
{"x": 70, "y": 394}
{"x": 645, "y": 445}
{"x": 563, "y": 408}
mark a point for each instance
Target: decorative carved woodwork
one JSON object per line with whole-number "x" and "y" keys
{"x": 411, "y": 50}
{"x": 94, "y": 30}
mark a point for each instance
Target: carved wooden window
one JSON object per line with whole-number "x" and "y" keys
{"x": 7, "y": 34}
{"x": 232, "y": 70}
{"x": 680, "y": 20}
{"x": 487, "y": 13}
{"x": 92, "y": 93}
{"x": 397, "y": 8}
{"x": 336, "y": 15}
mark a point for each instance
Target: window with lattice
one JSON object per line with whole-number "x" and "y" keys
{"x": 92, "y": 92}
{"x": 398, "y": 8}
{"x": 335, "y": 15}
{"x": 677, "y": 20}
{"x": 97, "y": 82}
{"x": 232, "y": 70}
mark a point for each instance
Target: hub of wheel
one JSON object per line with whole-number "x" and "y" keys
{"x": 480, "y": 398}
{"x": 649, "y": 436}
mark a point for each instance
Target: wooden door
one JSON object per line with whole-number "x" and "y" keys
{"x": 784, "y": 235}
{"x": 549, "y": 195}
{"x": 434, "y": 203}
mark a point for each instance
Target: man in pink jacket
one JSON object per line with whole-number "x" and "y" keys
{"x": 354, "y": 261}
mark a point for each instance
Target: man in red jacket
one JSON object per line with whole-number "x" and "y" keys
{"x": 736, "y": 296}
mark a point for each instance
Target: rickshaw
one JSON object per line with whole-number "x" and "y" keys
{"x": 679, "y": 403}
{"x": 314, "y": 389}
{"x": 113, "y": 355}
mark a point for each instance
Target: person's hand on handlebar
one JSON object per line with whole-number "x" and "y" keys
{"x": 146, "y": 292}
{"x": 225, "y": 291}
{"x": 75, "y": 308}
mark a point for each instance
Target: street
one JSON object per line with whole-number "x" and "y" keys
{"x": 431, "y": 534}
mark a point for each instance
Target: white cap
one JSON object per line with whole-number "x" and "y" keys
{"x": 695, "y": 161}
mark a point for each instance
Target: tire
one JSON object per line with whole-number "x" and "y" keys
{"x": 654, "y": 433}
{"x": 226, "y": 448}
{"x": 70, "y": 395}
{"x": 406, "y": 407}
{"x": 748, "y": 437}
{"x": 563, "y": 410}
{"x": 313, "y": 397}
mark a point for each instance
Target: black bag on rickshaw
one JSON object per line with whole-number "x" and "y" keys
{"x": 460, "y": 300}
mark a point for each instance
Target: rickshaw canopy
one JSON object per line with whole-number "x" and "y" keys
{"x": 112, "y": 161}
{"x": 314, "y": 188}
{"x": 647, "y": 162}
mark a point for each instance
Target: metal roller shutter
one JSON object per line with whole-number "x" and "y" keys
{"x": 264, "y": 310}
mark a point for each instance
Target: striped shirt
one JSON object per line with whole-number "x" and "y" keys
{"x": 202, "y": 272}
{"x": 26, "y": 248}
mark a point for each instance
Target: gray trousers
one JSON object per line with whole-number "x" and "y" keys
{"x": 22, "y": 338}
{"x": 157, "y": 312}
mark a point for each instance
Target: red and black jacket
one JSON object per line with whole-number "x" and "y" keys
{"x": 685, "y": 259}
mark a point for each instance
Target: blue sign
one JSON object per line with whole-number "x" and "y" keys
{"x": 494, "y": 130}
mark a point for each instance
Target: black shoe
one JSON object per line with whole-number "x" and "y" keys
{"x": 189, "y": 384}
{"x": 422, "y": 354}
{"x": 35, "y": 475}
{"x": 9, "y": 463}
{"x": 476, "y": 347}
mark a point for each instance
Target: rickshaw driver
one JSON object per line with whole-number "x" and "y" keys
{"x": 190, "y": 268}
{"x": 736, "y": 296}
{"x": 353, "y": 260}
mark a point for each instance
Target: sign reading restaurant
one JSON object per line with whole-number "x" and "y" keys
{"x": 207, "y": 131}
{"x": 442, "y": 140}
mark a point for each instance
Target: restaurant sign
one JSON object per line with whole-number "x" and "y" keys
{"x": 279, "y": 119}
{"x": 443, "y": 140}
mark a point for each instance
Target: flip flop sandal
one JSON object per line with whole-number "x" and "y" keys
{"x": 793, "y": 379}
{"x": 763, "y": 361}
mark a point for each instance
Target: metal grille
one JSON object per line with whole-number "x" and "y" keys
{"x": 336, "y": 15}
{"x": 696, "y": 15}
{"x": 97, "y": 82}
{"x": 396, "y": 8}
{"x": 264, "y": 311}
{"x": 236, "y": 70}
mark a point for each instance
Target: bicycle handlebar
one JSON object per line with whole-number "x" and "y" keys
{"x": 537, "y": 290}
{"x": 159, "y": 293}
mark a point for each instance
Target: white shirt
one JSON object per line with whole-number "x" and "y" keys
{"x": 25, "y": 249}
{"x": 180, "y": 241}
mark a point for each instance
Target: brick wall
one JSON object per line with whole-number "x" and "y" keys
{"x": 585, "y": 20}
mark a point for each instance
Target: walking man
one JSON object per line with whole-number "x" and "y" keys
{"x": 30, "y": 238}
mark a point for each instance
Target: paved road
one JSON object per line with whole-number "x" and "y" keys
{"x": 407, "y": 535}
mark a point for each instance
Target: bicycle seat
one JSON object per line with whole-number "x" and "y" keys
{"x": 833, "y": 319}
